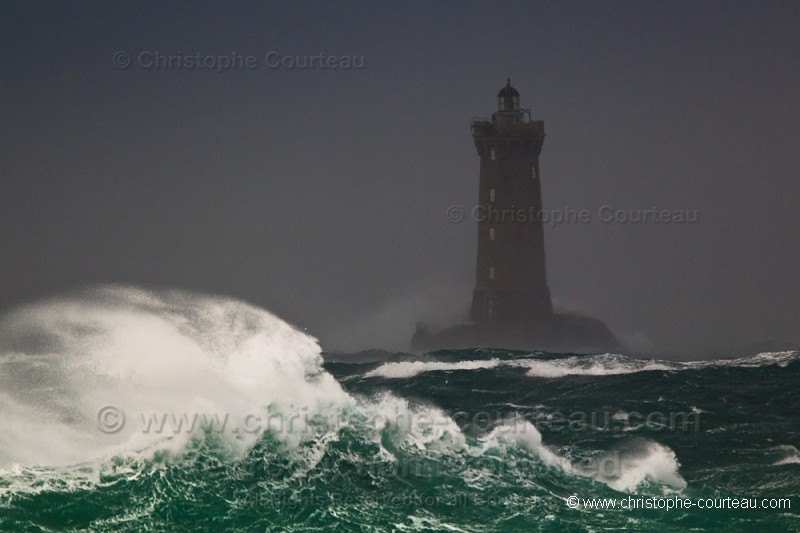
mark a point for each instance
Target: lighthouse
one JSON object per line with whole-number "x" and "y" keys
{"x": 511, "y": 306}
{"x": 510, "y": 275}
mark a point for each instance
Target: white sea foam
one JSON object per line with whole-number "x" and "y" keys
{"x": 644, "y": 461}
{"x": 62, "y": 361}
{"x": 424, "y": 427}
{"x": 607, "y": 364}
{"x": 790, "y": 455}
{"x": 519, "y": 432}
{"x": 410, "y": 369}
{"x": 140, "y": 352}
{"x": 612, "y": 364}
{"x": 648, "y": 461}
{"x": 598, "y": 365}
{"x": 782, "y": 359}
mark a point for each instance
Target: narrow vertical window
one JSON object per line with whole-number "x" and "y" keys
{"x": 533, "y": 172}
{"x": 493, "y": 154}
{"x": 491, "y": 234}
{"x": 491, "y": 272}
{"x": 491, "y": 195}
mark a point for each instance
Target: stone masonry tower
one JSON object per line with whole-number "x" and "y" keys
{"x": 511, "y": 305}
{"x": 511, "y": 293}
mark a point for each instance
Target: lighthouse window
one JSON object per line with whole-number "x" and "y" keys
{"x": 491, "y": 234}
{"x": 491, "y": 195}
{"x": 533, "y": 172}
{"x": 493, "y": 154}
{"x": 491, "y": 272}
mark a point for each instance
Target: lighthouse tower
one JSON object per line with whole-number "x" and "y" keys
{"x": 511, "y": 305}
{"x": 511, "y": 293}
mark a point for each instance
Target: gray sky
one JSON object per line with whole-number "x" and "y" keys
{"x": 321, "y": 194}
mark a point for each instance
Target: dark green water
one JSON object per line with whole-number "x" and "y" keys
{"x": 471, "y": 440}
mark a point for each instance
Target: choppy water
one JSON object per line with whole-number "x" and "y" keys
{"x": 129, "y": 410}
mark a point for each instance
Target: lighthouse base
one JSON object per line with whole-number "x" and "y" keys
{"x": 562, "y": 333}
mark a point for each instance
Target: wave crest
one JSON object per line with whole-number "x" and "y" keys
{"x": 120, "y": 351}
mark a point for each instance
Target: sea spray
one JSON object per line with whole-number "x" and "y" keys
{"x": 394, "y": 447}
{"x": 73, "y": 366}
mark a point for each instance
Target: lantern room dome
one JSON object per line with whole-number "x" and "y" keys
{"x": 508, "y": 98}
{"x": 508, "y": 91}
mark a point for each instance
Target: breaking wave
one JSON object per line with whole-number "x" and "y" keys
{"x": 82, "y": 377}
{"x": 579, "y": 365}
{"x": 118, "y": 352}
{"x": 408, "y": 369}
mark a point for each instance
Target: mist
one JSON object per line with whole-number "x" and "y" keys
{"x": 320, "y": 191}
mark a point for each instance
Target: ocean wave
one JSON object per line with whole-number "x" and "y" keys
{"x": 409, "y": 369}
{"x": 781, "y": 359}
{"x": 644, "y": 462}
{"x": 789, "y": 455}
{"x": 98, "y": 360}
{"x": 421, "y": 426}
{"x": 519, "y": 432}
{"x": 640, "y": 462}
{"x": 336, "y": 456}
{"x": 608, "y": 364}
{"x": 596, "y": 365}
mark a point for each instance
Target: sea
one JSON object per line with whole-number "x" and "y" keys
{"x": 125, "y": 409}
